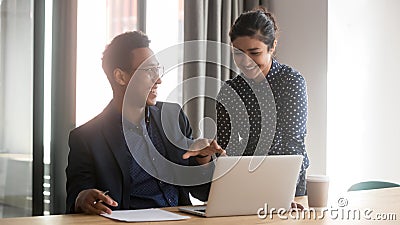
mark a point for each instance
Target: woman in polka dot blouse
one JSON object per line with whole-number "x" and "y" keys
{"x": 262, "y": 111}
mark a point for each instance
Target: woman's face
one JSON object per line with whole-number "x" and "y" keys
{"x": 252, "y": 56}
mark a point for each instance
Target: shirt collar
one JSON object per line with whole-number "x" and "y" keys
{"x": 274, "y": 68}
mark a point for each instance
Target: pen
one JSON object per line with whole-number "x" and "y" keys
{"x": 99, "y": 200}
{"x": 215, "y": 155}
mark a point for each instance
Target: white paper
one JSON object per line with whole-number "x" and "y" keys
{"x": 144, "y": 215}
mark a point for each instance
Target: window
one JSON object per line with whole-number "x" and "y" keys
{"x": 93, "y": 91}
{"x": 170, "y": 33}
{"x": 16, "y": 90}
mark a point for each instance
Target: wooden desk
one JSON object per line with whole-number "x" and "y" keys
{"x": 380, "y": 201}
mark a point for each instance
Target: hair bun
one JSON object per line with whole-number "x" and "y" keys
{"x": 269, "y": 15}
{"x": 257, "y": 23}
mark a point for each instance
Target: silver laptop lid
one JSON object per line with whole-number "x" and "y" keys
{"x": 243, "y": 184}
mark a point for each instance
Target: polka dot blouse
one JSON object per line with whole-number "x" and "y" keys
{"x": 266, "y": 118}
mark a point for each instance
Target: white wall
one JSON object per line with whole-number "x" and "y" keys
{"x": 363, "y": 90}
{"x": 303, "y": 45}
{"x": 348, "y": 52}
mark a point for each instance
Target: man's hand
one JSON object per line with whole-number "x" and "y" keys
{"x": 90, "y": 201}
{"x": 204, "y": 149}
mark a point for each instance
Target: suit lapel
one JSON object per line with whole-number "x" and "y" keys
{"x": 172, "y": 152}
{"x": 112, "y": 131}
{"x": 155, "y": 114}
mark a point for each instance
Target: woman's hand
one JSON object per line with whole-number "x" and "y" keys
{"x": 296, "y": 205}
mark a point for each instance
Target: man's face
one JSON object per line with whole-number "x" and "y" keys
{"x": 146, "y": 77}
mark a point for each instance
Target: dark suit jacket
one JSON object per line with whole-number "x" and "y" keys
{"x": 99, "y": 157}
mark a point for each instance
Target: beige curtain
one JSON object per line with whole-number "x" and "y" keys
{"x": 62, "y": 97}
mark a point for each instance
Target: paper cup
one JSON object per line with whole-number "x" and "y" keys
{"x": 317, "y": 190}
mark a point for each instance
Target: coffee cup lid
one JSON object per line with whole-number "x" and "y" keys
{"x": 317, "y": 178}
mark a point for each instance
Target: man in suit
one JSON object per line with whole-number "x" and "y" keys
{"x": 122, "y": 150}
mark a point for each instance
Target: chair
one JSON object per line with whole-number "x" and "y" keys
{"x": 368, "y": 185}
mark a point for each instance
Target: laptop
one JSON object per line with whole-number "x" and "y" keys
{"x": 243, "y": 184}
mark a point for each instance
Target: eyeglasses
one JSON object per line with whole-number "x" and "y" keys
{"x": 154, "y": 73}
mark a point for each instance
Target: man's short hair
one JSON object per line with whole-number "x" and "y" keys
{"x": 118, "y": 53}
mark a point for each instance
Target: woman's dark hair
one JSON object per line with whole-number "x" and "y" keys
{"x": 118, "y": 53}
{"x": 257, "y": 23}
